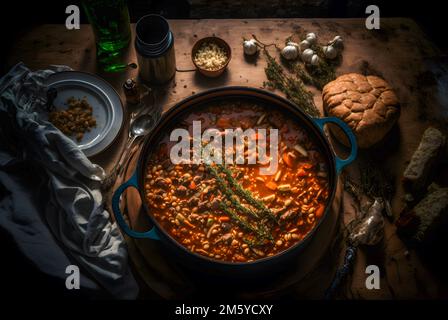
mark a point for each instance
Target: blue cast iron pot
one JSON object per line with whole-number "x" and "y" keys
{"x": 314, "y": 127}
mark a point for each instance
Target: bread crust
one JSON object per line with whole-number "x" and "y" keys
{"x": 421, "y": 166}
{"x": 366, "y": 103}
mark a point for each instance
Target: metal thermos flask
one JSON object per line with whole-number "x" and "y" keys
{"x": 154, "y": 44}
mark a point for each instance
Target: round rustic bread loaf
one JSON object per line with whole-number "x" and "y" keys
{"x": 366, "y": 103}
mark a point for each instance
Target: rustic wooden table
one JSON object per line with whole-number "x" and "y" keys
{"x": 399, "y": 52}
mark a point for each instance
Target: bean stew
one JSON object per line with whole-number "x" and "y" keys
{"x": 233, "y": 213}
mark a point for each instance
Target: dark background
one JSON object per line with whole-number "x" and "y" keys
{"x": 17, "y": 17}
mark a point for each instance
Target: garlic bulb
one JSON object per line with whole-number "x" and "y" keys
{"x": 311, "y": 38}
{"x": 337, "y": 43}
{"x": 304, "y": 45}
{"x": 290, "y": 43}
{"x": 290, "y": 52}
{"x": 314, "y": 60}
{"x": 307, "y": 54}
{"x": 250, "y": 47}
{"x": 330, "y": 52}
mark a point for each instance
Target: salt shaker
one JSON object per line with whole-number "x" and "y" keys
{"x": 131, "y": 91}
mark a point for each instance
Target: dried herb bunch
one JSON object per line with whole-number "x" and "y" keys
{"x": 291, "y": 77}
{"x": 374, "y": 183}
{"x": 317, "y": 76}
{"x": 290, "y": 85}
{"x": 234, "y": 193}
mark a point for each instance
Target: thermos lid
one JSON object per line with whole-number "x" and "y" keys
{"x": 153, "y": 35}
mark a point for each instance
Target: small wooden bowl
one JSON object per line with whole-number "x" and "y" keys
{"x": 221, "y": 43}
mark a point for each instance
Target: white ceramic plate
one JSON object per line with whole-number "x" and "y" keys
{"x": 105, "y": 101}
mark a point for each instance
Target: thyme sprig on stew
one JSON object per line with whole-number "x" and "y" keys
{"x": 228, "y": 192}
{"x": 253, "y": 242}
{"x": 246, "y": 194}
{"x": 260, "y": 229}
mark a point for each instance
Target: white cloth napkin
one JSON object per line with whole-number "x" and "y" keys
{"x": 50, "y": 201}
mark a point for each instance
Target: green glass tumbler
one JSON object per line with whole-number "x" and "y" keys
{"x": 110, "y": 23}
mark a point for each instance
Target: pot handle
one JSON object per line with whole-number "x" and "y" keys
{"x": 340, "y": 163}
{"x": 132, "y": 182}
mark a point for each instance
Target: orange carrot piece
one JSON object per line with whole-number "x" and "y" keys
{"x": 188, "y": 223}
{"x": 320, "y": 211}
{"x": 192, "y": 185}
{"x": 224, "y": 218}
{"x": 307, "y": 166}
{"x": 271, "y": 185}
{"x": 223, "y": 123}
{"x": 288, "y": 160}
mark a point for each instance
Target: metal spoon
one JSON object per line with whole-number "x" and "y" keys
{"x": 139, "y": 127}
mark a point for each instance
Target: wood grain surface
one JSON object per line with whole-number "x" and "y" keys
{"x": 399, "y": 52}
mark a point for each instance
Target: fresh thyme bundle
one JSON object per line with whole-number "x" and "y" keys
{"x": 315, "y": 75}
{"x": 374, "y": 183}
{"x": 228, "y": 193}
{"x": 315, "y": 67}
{"x": 291, "y": 86}
{"x": 247, "y": 195}
{"x": 225, "y": 185}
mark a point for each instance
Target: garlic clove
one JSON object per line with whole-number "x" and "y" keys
{"x": 330, "y": 52}
{"x": 337, "y": 43}
{"x": 307, "y": 54}
{"x": 311, "y": 38}
{"x": 314, "y": 60}
{"x": 290, "y": 52}
{"x": 290, "y": 43}
{"x": 337, "y": 38}
{"x": 304, "y": 45}
{"x": 250, "y": 47}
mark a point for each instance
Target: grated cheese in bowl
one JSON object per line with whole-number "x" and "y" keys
{"x": 210, "y": 56}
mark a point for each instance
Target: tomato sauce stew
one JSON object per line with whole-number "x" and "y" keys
{"x": 231, "y": 212}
